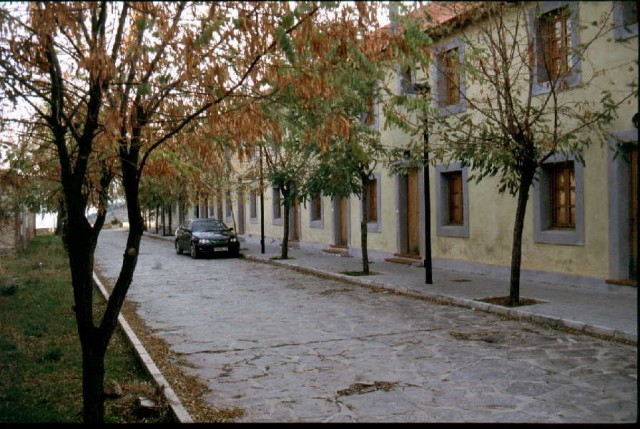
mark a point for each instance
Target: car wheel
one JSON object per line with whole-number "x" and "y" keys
{"x": 178, "y": 249}
{"x": 194, "y": 251}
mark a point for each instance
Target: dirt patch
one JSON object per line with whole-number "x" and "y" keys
{"x": 331, "y": 291}
{"x": 490, "y": 336}
{"x": 358, "y": 273}
{"x": 487, "y": 337}
{"x": 622, "y": 282}
{"x": 504, "y": 301}
{"x": 360, "y": 388}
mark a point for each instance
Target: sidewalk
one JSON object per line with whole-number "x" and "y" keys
{"x": 608, "y": 311}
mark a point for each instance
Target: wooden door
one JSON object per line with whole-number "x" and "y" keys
{"x": 413, "y": 215}
{"x": 343, "y": 235}
{"x": 294, "y": 225}
{"x": 241, "y": 216}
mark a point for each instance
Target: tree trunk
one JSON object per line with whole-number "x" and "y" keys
{"x": 93, "y": 381}
{"x": 62, "y": 224}
{"x": 82, "y": 242}
{"x": 233, "y": 218}
{"x": 516, "y": 251}
{"x": 285, "y": 238}
{"x": 363, "y": 225}
{"x": 157, "y": 214}
{"x": 164, "y": 227}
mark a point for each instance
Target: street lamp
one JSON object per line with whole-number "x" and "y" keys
{"x": 423, "y": 90}
{"x": 261, "y": 205}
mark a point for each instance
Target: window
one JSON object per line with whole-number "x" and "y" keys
{"x": 625, "y": 18}
{"x": 452, "y": 211}
{"x": 373, "y": 192}
{"x": 629, "y": 13}
{"x": 451, "y": 74}
{"x": 558, "y": 213}
{"x": 406, "y": 82}
{"x": 253, "y": 205}
{"x": 556, "y": 34}
{"x": 370, "y": 117}
{"x": 316, "y": 208}
{"x": 553, "y": 35}
{"x": 315, "y": 212}
{"x": 449, "y": 81}
{"x": 277, "y": 206}
{"x": 563, "y": 195}
{"x": 456, "y": 213}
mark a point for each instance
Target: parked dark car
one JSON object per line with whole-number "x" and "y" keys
{"x": 206, "y": 236}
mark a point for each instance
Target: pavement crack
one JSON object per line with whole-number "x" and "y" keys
{"x": 305, "y": 343}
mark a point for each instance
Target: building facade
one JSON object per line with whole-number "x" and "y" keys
{"x": 581, "y": 221}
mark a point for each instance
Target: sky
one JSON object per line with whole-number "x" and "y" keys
{"x": 47, "y": 220}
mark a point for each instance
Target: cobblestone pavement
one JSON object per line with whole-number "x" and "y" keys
{"x": 290, "y": 347}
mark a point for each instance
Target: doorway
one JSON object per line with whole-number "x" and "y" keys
{"x": 240, "y": 221}
{"x": 409, "y": 214}
{"x": 294, "y": 221}
{"x": 341, "y": 222}
{"x": 623, "y": 210}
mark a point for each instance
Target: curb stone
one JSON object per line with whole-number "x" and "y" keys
{"x": 179, "y": 412}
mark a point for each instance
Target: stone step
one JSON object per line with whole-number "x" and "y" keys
{"x": 401, "y": 261}
{"x": 337, "y": 251}
{"x": 408, "y": 256}
{"x": 293, "y": 244}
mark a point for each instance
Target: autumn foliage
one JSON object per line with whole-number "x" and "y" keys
{"x": 115, "y": 91}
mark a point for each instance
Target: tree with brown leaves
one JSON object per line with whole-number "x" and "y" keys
{"x": 108, "y": 83}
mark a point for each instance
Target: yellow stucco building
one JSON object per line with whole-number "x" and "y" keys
{"x": 580, "y": 225}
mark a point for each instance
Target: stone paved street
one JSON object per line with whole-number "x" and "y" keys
{"x": 290, "y": 347}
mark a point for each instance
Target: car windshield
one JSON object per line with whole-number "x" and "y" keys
{"x": 208, "y": 225}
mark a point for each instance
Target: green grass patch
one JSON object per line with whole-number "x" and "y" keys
{"x": 40, "y": 355}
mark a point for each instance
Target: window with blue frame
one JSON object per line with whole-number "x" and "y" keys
{"x": 449, "y": 82}
{"x": 556, "y": 36}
